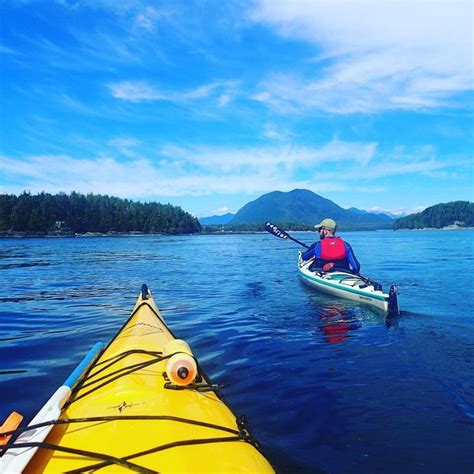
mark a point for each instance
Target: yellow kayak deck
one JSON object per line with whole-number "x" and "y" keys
{"x": 121, "y": 418}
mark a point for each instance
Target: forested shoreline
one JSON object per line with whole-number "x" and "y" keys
{"x": 456, "y": 213}
{"x": 79, "y": 214}
{"x": 75, "y": 213}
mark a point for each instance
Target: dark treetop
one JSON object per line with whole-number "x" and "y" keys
{"x": 81, "y": 213}
{"x": 460, "y": 213}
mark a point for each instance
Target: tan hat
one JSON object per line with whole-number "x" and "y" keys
{"x": 328, "y": 223}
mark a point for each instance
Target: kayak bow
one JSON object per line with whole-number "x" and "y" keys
{"x": 144, "y": 406}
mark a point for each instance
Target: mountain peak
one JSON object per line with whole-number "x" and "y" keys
{"x": 221, "y": 219}
{"x": 303, "y": 206}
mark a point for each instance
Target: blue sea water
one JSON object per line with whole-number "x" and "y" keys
{"x": 327, "y": 384}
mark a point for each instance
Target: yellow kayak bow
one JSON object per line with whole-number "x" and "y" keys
{"x": 142, "y": 405}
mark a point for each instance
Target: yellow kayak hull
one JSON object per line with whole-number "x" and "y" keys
{"x": 147, "y": 425}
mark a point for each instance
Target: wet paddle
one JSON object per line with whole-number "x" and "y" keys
{"x": 277, "y": 232}
{"x": 17, "y": 460}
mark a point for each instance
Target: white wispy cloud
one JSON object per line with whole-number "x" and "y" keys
{"x": 201, "y": 171}
{"x": 6, "y": 50}
{"x": 273, "y": 132}
{"x": 412, "y": 161}
{"x": 140, "y": 13}
{"x": 221, "y": 211}
{"x": 137, "y": 178}
{"x": 135, "y": 91}
{"x": 120, "y": 33}
{"x": 224, "y": 99}
{"x": 127, "y": 146}
{"x": 79, "y": 106}
{"x": 124, "y": 142}
{"x": 284, "y": 156}
{"x": 141, "y": 91}
{"x": 397, "y": 211}
{"x": 147, "y": 18}
{"x": 373, "y": 55}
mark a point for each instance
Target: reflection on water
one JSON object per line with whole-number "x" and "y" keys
{"x": 337, "y": 321}
{"x": 327, "y": 384}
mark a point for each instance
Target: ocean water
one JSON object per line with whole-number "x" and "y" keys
{"x": 328, "y": 385}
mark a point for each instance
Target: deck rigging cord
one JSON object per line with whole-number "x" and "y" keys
{"x": 243, "y": 433}
{"x": 97, "y": 377}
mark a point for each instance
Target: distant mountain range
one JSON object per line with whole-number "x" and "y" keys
{"x": 217, "y": 220}
{"x": 302, "y": 207}
{"x": 388, "y": 214}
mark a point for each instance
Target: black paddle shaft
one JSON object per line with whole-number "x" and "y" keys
{"x": 277, "y": 232}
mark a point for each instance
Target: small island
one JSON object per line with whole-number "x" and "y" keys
{"x": 451, "y": 215}
{"x": 78, "y": 214}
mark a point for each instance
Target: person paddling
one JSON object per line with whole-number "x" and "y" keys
{"x": 331, "y": 252}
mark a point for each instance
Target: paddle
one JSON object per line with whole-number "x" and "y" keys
{"x": 277, "y": 232}
{"x": 17, "y": 460}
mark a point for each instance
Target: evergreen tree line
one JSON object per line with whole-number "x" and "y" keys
{"x": 441, "y": 215}
{"x": 253, "y": 227}
{"x": 289, "y": 226}
{"x": 81, "y": 213}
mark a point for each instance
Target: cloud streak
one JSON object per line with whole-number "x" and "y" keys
{"x": 148, "y": 99}
{"x": 197, "y": 171}
{"x": 375, "y": 55}
{"x": 143, "y": 91}
{"x": 284, "y": 156}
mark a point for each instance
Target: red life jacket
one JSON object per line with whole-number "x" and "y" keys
{"x": 333, "y": 248}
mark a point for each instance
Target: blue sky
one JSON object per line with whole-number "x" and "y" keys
{"x": 209, "y": 104}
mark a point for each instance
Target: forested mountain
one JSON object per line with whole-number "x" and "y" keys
{"x": 81, "y": 213}
{"x": 371, "y": 213}
{"x": 460, "y": 213}
{"x": 217, "y": 220}
{"x": 306, "y": 208}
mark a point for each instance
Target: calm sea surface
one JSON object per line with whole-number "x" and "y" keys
{"x": 327, "y": 384}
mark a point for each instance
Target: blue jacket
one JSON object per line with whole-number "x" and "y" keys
{"x": 349, "y": 263}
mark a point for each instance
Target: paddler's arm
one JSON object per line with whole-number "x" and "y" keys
{"x": 310, "y": 253}
{"x": 351, "y": 258}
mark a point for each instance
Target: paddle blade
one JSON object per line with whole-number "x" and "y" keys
{"x": 393, "y": 307}
{"x": 273, "y": 229}
{"x": 11, "y": 424}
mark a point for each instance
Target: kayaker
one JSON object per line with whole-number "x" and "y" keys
{"x": 331, "y": 252}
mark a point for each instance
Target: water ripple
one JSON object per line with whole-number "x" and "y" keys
{"x": 328, "y": 385}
